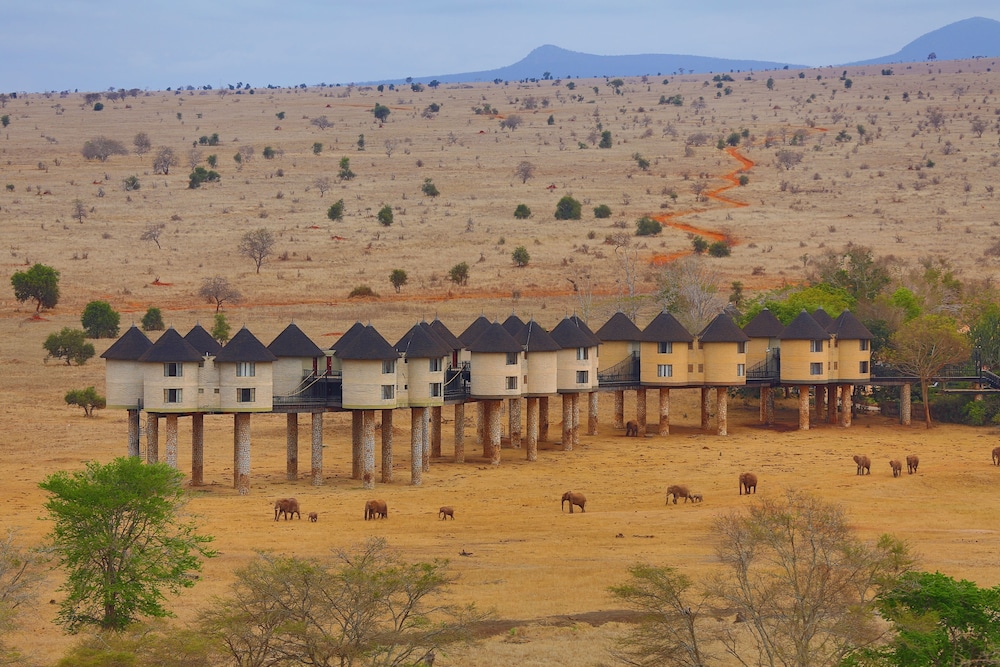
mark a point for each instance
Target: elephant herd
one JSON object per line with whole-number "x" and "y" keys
{"x": 864, "y": 465}
{"x": 374, "y": 509}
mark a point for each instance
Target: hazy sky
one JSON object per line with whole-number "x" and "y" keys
{"x": 96, "y": 44}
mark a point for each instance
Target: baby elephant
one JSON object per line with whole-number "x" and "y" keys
{"x": 376, "y": 509}
{"x": 286, "y": 507}
{"x": 912, "y": 461}
{"x": 632, "y": 429}
{"x": 696, "y": 498}
{"x": 313, "y": 517}
{"x": 748, "y": 481}
{"x": 573, "y": 498}
{"x": 446, "y": 512}
{"x": 864, "y": 464}
{"x": 996, "y": 456}
{"x": 897, "y": 467}
{"x": 678, "y": 491}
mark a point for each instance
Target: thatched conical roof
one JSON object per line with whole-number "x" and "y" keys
{"x": 202, "y": 341}
{"x": 619, "y": 328}
{"x": 132, "y": 345}
{"x": 666, "y": 329}
{"x": 170, "y": 348}
{"x": 764, "y": 325}
{"x": 722, "y": 330}
{"x": 244, "y": 346}
{"x": 804, "y": 327}
{"x": 293, "y": 342}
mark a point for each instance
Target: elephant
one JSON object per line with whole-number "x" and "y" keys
{"x": 697, "y": 498}
{"x": 912, "y": 461}
{"x": 314, "y": 517}
{"x": 678, "y": 491}
{"x": 748, "y": 481}
{"x": 376, "y": 509}
{"x": 286, "y": 507}
{"x": 897, "y": 467}
{"x": 574, "y": 498}
{"x": 864, "y": 464}
{"x": 446, "y": 512}
{"x": 631, "y": 429}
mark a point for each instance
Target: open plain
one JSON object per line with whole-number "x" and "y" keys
{"x": 915, "y": 180}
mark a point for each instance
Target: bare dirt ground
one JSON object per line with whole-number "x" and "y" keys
{"x": 545, "y": 572}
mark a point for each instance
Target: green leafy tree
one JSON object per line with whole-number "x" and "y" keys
{"x": 336, "y": 210}
{"x": 984, "y": 334}
{"x": 21, "y": 572}
{"x": 733, "y": 139}
{"x": 257, "y": 245}
{"x": 88, "y": 399}
{"x": 605, "y": 140}
{"x": 719, "y": 249}
{"x": 856, "y": 269}
{"x": 429, "y": 189}
{"x": 520, "y": 256}
{"x": 788, "y": 302}
{"x": 602, "y": 211}
{"x": 770, "y": 83}
{"x": 459, "y": 274}
{"x": 201, "y": 175}
{"x": 398, "y": 279}
{"x": 568, "y": 209}
{"x": 268, "y": 153}
{"x": 385, "y": 216}
{"x": 102, "y": 148}
{"x": 345, "y": 173}
{"x": 40, "y": 283}
{"x": 120, "y": 535}
{"x": 220, "y": 328}
{"x": 212, "y": 160}
{"x": 640, "y": 161}
{"x": 69, "y": 344}
{"x": 699, "y": 245}
{"x": 100, "y": 320}
{"x": 361, "y": 142}
{"x": 616, "y": 85}
{"x": 646, "y": 226}
{"x": 153, "y": 320}
{"x": 736, "y": 293}
{"x": 381, "y": 112}
{"x": 522, "y": 212}
{"x": 5, "y": 120}
{"x": 317, "y": 148}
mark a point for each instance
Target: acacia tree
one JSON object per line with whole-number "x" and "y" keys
{"x": 141, "y": 144}
{"x": 39, "y": 283}
{"x": 21, "y": 572}
{"x": 164, "y": 160}
{"x": 69, "y": 344}
{"x": 119, "y": 533}
{"x": 88, "y": 399}
{"x": 923, "y": 347}
{"x": 689, "y": 289}
{"x": 398, "y": 278}
{"x": 100, "y": 320}
{"x": 101, "y": 148}
{"x": 524, "y": 170}
{"x": 257, "y": 245}
{"x": 217, "y": 290}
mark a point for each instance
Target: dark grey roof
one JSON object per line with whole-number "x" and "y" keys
{"x": 764, "y": 325}
{"x": 535, "y": 338}
{"x": 244, "y": 346}
{"x": 347, "y": 336}
{"x": 619, "y": 327}
{"x": 849, "y": 327}
{"x": 170, "y": 348}
{"x": 722, "y": 330}
{"x": 513, "y": 325}
{"x": 293, "y": 342}
{"x": 568, "y": 334}
{"x": 666, "y": 329}
{"x": 473, "y": 331}
{"x": 446, "y": 335}
{"x": 804, "y": 327}
{"x": 367, "y": 345}
{"x": 585, "y": 329}
{"x": 132, "y": 345}
{"x": 421, "y": 343}
{"x": 202, "y": 341}
{"x": 495, "y": 339}
{"x": 822, "y": 318}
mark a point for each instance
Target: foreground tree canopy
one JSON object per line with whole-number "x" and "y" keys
{"x": 40, "y": 283}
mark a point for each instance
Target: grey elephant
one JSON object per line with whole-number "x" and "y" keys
{"x": 574, "y": 498}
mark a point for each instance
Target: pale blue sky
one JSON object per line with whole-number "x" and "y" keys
{"x": 150, "y": 44}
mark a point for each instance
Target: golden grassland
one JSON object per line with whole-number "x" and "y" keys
{"x": 529, "y": 561}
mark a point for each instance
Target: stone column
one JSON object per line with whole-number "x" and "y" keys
{"x": 803, "y": 407}
{"x": 722, "y": 410}
{"x": 532, "y": 418}
{"x": 436, "y": 431}
{"x": 819, "y": 391}
{"x": 619, "y": 418}
{"x": 664, "y": 411}
{"x": 640, "y": 410}
{"x": 705, "y": 403}
{"x": 769, "y": 407}
{"x": 356, "y": 418}
{"x": 171, "y": 432}
{"x": 460, "y": 433}
{"x": 133, "y": 433}
{"x": 292, "y": 446}
{"x": 905, "y": 406}
{"x": 845, "y": 405}
{"x": 592, "y": 413}
{"x": 425, "y": 432}
{"x": 483, "y": 427}
{"x": 543, "y": 419}
{"x": 831, "y": 404}
{"x": 387, "y": 446}
{"x": 481, "y": 423}
{"x": 241, "y": 474}
{"x": 416, "y": 447}
{"x": 197, "y": 449}
{"x": 567, "y": 422}
{"x": 575, "y": 412}
{"x": 152, "y": 438}
{"x": 494, "y": 431}
{"x": 514, "y": 421}
{"x": 368, "y": 449}
{"x": 762, "y": 404}
{"x": 316, "y": 454}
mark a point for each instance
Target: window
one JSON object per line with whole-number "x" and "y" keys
{"x": 511, "y": 382}
{"x": 582, "y": 354}
{"x": 246, "y": 395}
{"x": 512, "y": 358}
{"x": 863, "y": 345}
{"x": 173, "y": 369}
{"x": 863, "y": 366}
{"x": 741, "y": 347}
{"x": 436, "y": 390}
{"x": 701, "y": 346}
{"x": 665, "y": 347}
{"x": 435, "y": 365}
{"x": 691, "y": 345}
{"x": 581, "y": 377}
{"x": 816, "y": 368}
{"x": 690, "y": 368}
{"x": 664, "y": 370}
{"x": 815, "y": 346}
{"x": 741, "y": 370}
{"x": 172, "y": 395}
{"x": 388, "y": 366}
{"x": 701, "y": 368}
{"x": 246, "y": 369}
{"x": 388, "y": 392}
{"x": 836, "y": 364}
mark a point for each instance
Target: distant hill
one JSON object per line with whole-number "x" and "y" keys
{"x": 971, "y": 38}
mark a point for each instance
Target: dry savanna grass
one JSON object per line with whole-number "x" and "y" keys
{"x": 541, "y": 568}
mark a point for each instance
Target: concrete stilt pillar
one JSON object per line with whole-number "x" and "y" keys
{"x": 416, "y": 447}
{"x": 575, "y": 412}
{"x": 567, "y": 422}
{"x": 483, "y": 428}
{"x": 905, "y": 406}
{"x": 316, "y": 449}
{"x": 762, "y": 403}
{"x": 592, "y": 413}
{"x": 133, "y": 433}
{"x": 241, "y": 427}
{"x": 640, "y": 410}
{"x": 436, "y": 431}
{"x": 804, "y": 407}
{"x": 460, "y": 433}
{"x": 292, "y": 446}
{"x": 481, "y": 423}
{"x": 619, "y": 418}
{"x": 171, "y": 449}
{"x": 819, "y": 391}
{"x": 197, "y": 449}
{"x": 532, "y": 419}
{"x": 722, "y": 410}
{"x": 152, "y": 438}
{"x": 664, "y": 411}
{"x": 832, "y": 402}
{"x": 706, "y": 402}
{"x": 769, "y": 407}
{"x": 845, "y": 405}
{"x": 368, "y": 449}
{"x": 543, "y": 419}
{"x": 425, "y": 432}
{"x": 494, "y": 431}
{"x": 356, "y": 444}
{"x": 387, "y": 446}
{"x": 514, "y": 421}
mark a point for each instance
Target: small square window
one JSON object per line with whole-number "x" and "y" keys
{"x": 741, "y": 370}
{"x": 388, "y": 392}
{"x": 246, "y": 369}
{"x": 512, "y": 358}
{"x": 691, "y": 345}
{"x": 511, "y": 382}
{"x": 665, "y": 347}
{"x": 388, "y": 366}
{"x": 435, "y": 365}
{"x": 815, "y": 346}
{"x": 863, "y": 345}
{"x": 246, "y": 395}
{"x": 690, "y": 368}
{"x": 863, "y": 366}
{"x": 582, "y": 353}
{"x": 581, "y": 377}
{"x": 173, "y": 395}
{"x": 701, "y": 368}
{"x": 741, "y": 347}
{"x": 816, "y": 368}
{"x": 664, "y": 370}
{"x": 436, "y": 390}
{"x": 173, "y": 369}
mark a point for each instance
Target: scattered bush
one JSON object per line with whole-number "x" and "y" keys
{"x": 429, "y": 189}
{"x": 520, "y": 256}
{"x": 699, "y": 245}
{"x": 459, "y": 274}
{"x": 522, "y": 212}
{"x": 88, "y": 399}
{"x": 336, "y": 210}
{"x": 100, "y": 320}
{"x": 385, "y": 216}
{"x": 69, "y": 344}
{"x": 362, "y": 292}
{"x": 153, "y": 320}
{"x": 602, "y": 211}
{"x": 568, "y": 209}
{"x": 646, "y": 226}
{"x": 719, "y": 249}
{"x": 201, "y": 175}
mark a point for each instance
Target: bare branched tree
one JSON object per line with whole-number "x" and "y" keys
{"x": 164, "y": 160}
{"x": 101, "y": 148}
{"x": 524, "y": 170}
{"x": 628, "y": 255}
{"x": 322, "y": 122}
{"x": 217, "y": 290}
{"x": 153, "y": 233}
{"x": 21, "y": 572}
{"x": 787, "y": 159}
{"x": 511, "y": 122}
{"x": 257, "y": 245}
{"x": 79, "y": 210}
{"x": 689, "y": 289}
{"x": 322, "y": 183}
{"x": 193, "y": 158}
{"x": 390, "y": 146}
{"x": 141, "y": 144}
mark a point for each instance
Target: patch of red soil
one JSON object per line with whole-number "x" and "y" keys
{"x": 36, "y": 318}
{"x": 160, "y": 283}
{"x": 314, "y": 227}
{"x": 338, "y": 238}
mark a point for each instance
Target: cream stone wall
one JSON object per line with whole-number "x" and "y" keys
{"x": 542, "y": 373}
{"x": 363, "y": 382}
{"x": 154, "y": 384}
{"x": 722, "y": 364}
{"x": 796, "y": 359}
{"x": 260, "y": 382}
{"x": 489, "y": 379}
{"x": 650, "y": 359}
{"x": 123, "y": 384}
